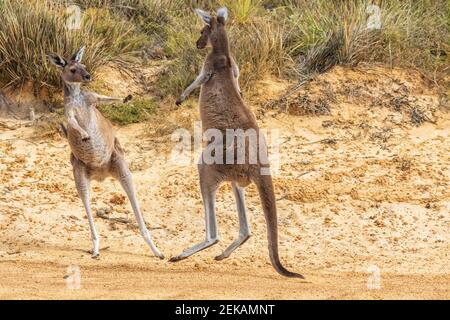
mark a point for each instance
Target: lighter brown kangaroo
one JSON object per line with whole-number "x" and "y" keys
{"x": 96, "y": 152}
{"x": 222, "y": 109}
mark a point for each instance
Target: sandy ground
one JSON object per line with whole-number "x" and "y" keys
{"x": 363, "y": 197}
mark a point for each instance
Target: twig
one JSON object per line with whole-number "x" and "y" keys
{"x": 303, "y": 173}
{"x": 104, "y": 215}
{"x": 290, "y": 91}
{"x": 326, "y": 140}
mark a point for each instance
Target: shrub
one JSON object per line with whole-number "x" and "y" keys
{"x": 138, "y": 110}
{"x": 150, "y": 16}
{"x": 340, "y": 33}
{"x": 31, "y": 28}
{"x": 267, "y": 36}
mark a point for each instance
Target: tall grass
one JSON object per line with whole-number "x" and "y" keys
{"x": 243, "y": 10}
{"x": 410, "y": 32}
{"x": 31, "y": 28}
{"x": 258, "y": 48}
{"x": 302, "y": 36}
{"x": 150, "y": 16}
{"x": 276, "y": 37}
{"x": 185, "y": 59}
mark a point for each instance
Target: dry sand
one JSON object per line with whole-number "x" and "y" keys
{"x": 374, "y": 195}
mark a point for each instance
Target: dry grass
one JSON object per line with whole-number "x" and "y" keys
{"x": 289, "y": 38}
{"x": 31, "y": 28}
{"x": 410, "y": 34}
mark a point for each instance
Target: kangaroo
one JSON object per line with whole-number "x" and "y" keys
{"x": 222, "y": 109}
{"x": 96, "y": 152}
{"x": 202, "y": 43}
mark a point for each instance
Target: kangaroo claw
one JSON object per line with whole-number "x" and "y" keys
{"x": 127, "y": 98}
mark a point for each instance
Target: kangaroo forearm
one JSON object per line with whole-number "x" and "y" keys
{"x": 73, "y": 123}
{"x": 95, "y": 98}
{"x": 106, "y": 99}
{"x": 189, "y": 89}
{"x": 202, "y": 78}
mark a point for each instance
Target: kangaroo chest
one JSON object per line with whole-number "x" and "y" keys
{"x": 97, "y": 149}
{"x": 221, "y": 106}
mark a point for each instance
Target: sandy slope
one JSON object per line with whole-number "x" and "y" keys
{"x": 375, "y": 197}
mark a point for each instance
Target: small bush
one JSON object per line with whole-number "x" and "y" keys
{"x": 138, "y": 110}
{"x": 258, "y": 48}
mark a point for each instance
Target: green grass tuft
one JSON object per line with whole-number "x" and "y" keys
{"x": 137, "y": 110}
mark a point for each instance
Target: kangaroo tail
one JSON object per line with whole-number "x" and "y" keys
{"x": 267, "y": 195}
{"x": 64, "y": 129}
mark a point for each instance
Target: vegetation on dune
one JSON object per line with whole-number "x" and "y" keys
{"x": 303, "y": 37}
{"x": 150, "y": 16}
{"x": 286, "y": 38}
{"x": 31, "y": 28}
{"x": 137, "y": 110}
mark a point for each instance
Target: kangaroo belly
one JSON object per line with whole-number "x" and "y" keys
{"x": 94, "y": 152}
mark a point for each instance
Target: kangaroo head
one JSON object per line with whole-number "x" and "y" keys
{"x": 213, "y": 33}
{"x": 72, "y": 70}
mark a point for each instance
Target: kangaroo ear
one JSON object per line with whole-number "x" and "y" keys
{"x": 56, "y": 60}
{"x": 206, "y": 17}
{"x": 79, "y": 55}
{"x": 223, "y": 13}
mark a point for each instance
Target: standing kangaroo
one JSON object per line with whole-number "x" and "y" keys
{"x": 96, "y": 152}
{"x": 222, "y": 109}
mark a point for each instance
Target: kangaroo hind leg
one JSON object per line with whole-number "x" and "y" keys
{"x": 82, "y": 183}
{"x": 120, "y": 171}
{"x": 209, "y": 182}
{"x": 244, "y": 231}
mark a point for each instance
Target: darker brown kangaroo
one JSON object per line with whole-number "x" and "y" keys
{"x": 222, "y": 109}
{"x": 96, "y": 152}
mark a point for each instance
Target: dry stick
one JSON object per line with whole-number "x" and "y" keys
{"x": 290, "y": 92}
{"x": 300, "y": 175}
{"x": 303, "y": 173}
{"x": 326, "y": 140}
{"x": 104, "y": 215}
